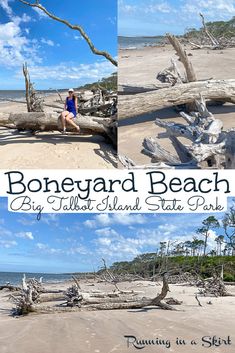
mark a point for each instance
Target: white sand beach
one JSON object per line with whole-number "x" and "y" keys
{"x": 104, "y": 331}
{"x": 52, "y": 149}
{"x": 141, "y": 66}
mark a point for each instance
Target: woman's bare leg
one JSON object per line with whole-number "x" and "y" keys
{"x": 69, "y": 119}
{"x": 63, "y": 119}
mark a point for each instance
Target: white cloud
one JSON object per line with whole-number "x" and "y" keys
{"x": 126, "y": 8}
{"x": 27, "y": 221}
{"x": 75, "y": 250}
{"x": 15, "y": 48}
{"x": 51, "y": 218}
{"x": 48, "y": 42}
{"x": 106, "y": 232}
{"x": 40, "y": 13}
{"x": 5, "y": 5}
{"x": 5, "y": 232}
{"x": 78, "y": 37}
{"x": 128, "y": 219}
{"x": 7, "y": 243}
{"x": 212, "y": 9}
{"x": 90, "y": 223}
{"x": 71, "y": 71}
{"x": 48, "y": 250}
{"x": 163, "y": 7}
{"x": 106, "y": 219}
{"x": 25, "y": 235}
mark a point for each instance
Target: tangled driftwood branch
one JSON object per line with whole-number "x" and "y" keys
{"x": 34, "y": 103}
{"x": 74, "y": 27}
{"x": 211, "y": 146}
{"x": 31, "y": 297}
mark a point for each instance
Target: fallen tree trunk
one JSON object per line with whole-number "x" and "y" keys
{"x": 128, "y": 89}
{"x": 10, "y": 287}
{"x": 51, "y": 122}
{"x": 131, "y": 106}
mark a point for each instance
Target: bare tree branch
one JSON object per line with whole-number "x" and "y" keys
{"x": 75, "y": 27}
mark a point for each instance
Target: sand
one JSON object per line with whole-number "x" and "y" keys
{"x": 104, "y": 331}
{"x": 141, "y": 66}
{"x": 52, "y": 150}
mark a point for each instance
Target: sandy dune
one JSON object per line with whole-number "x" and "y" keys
{"x": 104, "y": 331}
{"x": 141, "y": 67}
{"x": 52, "y": 150}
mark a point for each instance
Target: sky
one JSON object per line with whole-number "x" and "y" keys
{"x": 156, "y": 17}
{"x": 78, "y": 242}
{"x": 58, "y": 57}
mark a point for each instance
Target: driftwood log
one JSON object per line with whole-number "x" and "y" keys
{"x": 30, "y": 298}
{"x": 131, "y": 106}
{"x": 211, "y": 146}
{"x": 36, "y": 122}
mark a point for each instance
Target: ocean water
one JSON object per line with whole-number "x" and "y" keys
{"x": 20, "y": 94}
{"x": 16, "y": 277}
{"x": 16, "y": 95}
{"x": 138, "y": 42}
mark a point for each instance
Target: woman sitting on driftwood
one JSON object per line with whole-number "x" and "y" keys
{"x": 70, "y": 111}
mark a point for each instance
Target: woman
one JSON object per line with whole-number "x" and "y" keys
{"x": 70, "y": 111}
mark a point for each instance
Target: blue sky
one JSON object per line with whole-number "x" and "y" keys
{"x": 57, "y": 56}
{"x": 156, "y": 17}
{"x": 77, "y": 242}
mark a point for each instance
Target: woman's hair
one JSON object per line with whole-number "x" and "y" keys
{"x": 74, "y": 97}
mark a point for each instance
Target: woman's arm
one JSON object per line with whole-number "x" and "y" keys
{"x": 76, "y": 104}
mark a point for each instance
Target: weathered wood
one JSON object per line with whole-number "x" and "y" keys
{"x": 213, "y": 40}
{"x": 153, "y": 149}
{"x": 50, "y": 122}
{"x": 74, "y": 27}
{"x": 130, "y": 106}
{"x": 128, "y": 89}
{"x": 10, "y": 287}
{"x": 190, "y": 73}
{"x": 27, "y": 81}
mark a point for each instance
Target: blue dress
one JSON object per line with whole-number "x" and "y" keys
{"x": 71, "y": 106}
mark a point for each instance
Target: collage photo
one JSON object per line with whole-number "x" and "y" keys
{"x": 117, "y": 158}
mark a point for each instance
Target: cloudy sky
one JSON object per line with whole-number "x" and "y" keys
{"x": 156, "y": 17}
{"x": 77, "y": 242}
{"x": 58, "y": 57}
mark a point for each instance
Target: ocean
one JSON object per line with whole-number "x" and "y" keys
{"x": 16, "y": 277}
{"x": 20, "y": 94}
{"x": 138, "y": 42}
{"x": 16, "y": 95}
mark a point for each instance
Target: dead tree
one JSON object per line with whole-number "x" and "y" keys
{"x": 34, "y": 103}
{"x": 36, "y": 122}
{"x": 190, "y": 74}
{"x": 78, "y": 28}
{"x": 171, "y": 75}
{"x": 210, "y": 146}
{"x": 107, "y": 301}
{"x": 213, "y": 286}
{"x": 130, "y": 106}
{"x": 213, "y": 40}
{"x": 28, "y": 296}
